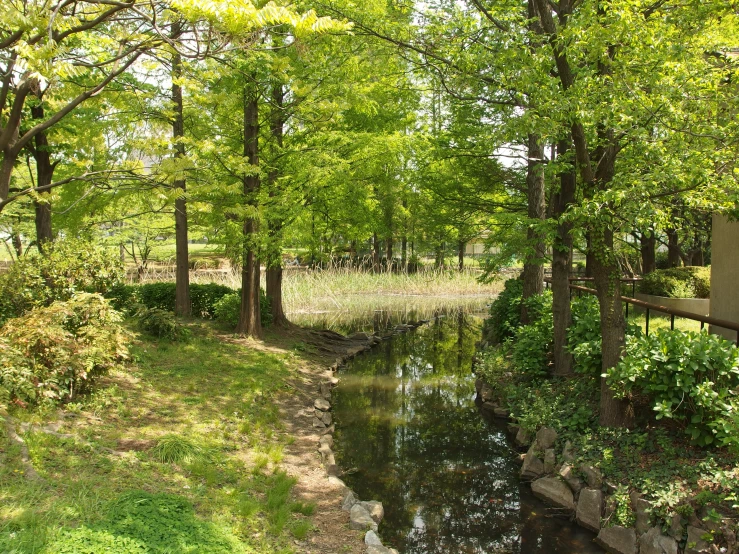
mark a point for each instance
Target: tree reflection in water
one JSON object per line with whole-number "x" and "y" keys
{"x": 407, "y": 424}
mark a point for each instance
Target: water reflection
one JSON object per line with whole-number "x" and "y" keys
{"x": 411, "y": 436}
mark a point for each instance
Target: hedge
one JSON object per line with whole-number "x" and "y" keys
{"x": 678, "y": 282}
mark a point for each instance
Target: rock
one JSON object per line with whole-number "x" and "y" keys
{"x": 568, "y": 474}
{"x": 501, "y": 413}
{"x": 550, "y": 460}
{"x": 328, "y": 430}
{"x": 617, "y": 540}
{"x": 695, "y": 544}
{"x": 554, "y": 491}
{"x": 654, "y": 542}
{"x": 676, "y": 527}
{"x": 489, "y": 406}
{"x": 334, "y": 380}
{"x": 349, "y": 501}
{"x": 371, "y": 539}
{"x": 593, "y": 476}
{"x": 546, "y": 437}
{"x": 589, "y": 509}
{"x": 327, "y": 456}
{"x": 567, "y": 454}
{"x": 643, "y": 511}
{"x": 486, "y": 392}
{"x": 478, "y": 385}
{"x": 336, "y": 482}
{"x": 359, "y": 336}
{"x": 318, "y": 423}
{"x": 328, "y": 440}
{"x": 532, "y": 467}
{"x": 375, "y": 509}
{"x": 380, "y": 550}
{"x": 324, "y": 389}
{"x": 513, "y": 429}
{"x": 360, "y": 519}
{"x": 326, "y": 418}
{"x": 322, "y": 404}
{"x": 522, "y": 438}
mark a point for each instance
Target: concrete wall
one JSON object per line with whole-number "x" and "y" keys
{"x": 697, "y": 306}
{"x": 725, "y": 273}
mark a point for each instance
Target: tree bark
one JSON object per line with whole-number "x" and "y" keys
{"x": 673, "y": 248}
{"x": 17, "y": 244}
{"x": 561, "y": 266}
{"x": 41, "y": 151}
{"x": 375, "y": 253}
{"x": 648, "y": 249}
{"x": 389, "y": 251}
{"x": 250, "y": 323}
{"x": 183, "y": 307}
{"x": 533, "y": 266}
{"x": 274, "y": 259}
{"x": 460, "y": 255}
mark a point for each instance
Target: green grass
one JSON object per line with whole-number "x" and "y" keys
{"x": 207, "y": 439}
{"x": 663, "y": 322}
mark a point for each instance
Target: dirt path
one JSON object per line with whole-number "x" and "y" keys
{"x": 301, "y": 458}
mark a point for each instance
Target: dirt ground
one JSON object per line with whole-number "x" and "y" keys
{"x": 302, "y": 460}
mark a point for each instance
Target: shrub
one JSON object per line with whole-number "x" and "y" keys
{"x": 584, "y": 338}
{"x": 690, "y": 377}
{"x": 69, "y": 266}
{"x": 505, "y": 312}
{"x": 161, "y": 323}
{"x": 173, "y": 449}
{"x": 54, "y": 353}
{"x": 227, "y": 309}
{"x": 203, "y": 297}
{"x": 532, "y": 344}
{"x": 678, "y": 282}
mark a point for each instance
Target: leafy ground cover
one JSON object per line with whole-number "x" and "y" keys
{"x": 185, "y": 445}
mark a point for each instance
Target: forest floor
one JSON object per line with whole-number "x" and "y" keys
{"x": 204, "y": 446}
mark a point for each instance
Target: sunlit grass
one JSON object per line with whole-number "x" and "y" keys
{"x": 204, "y": 425}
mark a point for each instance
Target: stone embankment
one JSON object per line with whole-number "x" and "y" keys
{"x": 363, "y": 515}
{"x": 579, "y": 491}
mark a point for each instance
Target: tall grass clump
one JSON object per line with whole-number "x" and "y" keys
{"x": 173, "y": 449}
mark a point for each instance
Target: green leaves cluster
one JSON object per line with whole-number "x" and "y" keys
{"x": 678, "y": 282}
{"x": 692, "y": 378}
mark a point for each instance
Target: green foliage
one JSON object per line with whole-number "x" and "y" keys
{"x": 68, "y": 267}
{"x": 227, "y": 309}
{"x": 531, "y": 345}
{"x": 584, "y": 338}
{"x": 689, "y": 377}
{"x": 678, "y": 282}
{"x": 568, "y": 405}
{"x": 161, "y": 323}
{"x": 144, "y": 523}
{"x": 53, "y": 353}
{"x": 202, "y": 297}
{"x": 505, "y": 312}
{"x": 174, "y": 449}
{"x": 623, "y": 514}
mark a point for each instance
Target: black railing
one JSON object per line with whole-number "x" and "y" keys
{"x": 673, "y": 313}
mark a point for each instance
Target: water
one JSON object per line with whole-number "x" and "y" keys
{"x": 410, "y": 435}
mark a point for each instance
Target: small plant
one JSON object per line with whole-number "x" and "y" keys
{"x": 505, "y": 312}
{"x": 623, "y": 514}
{"x": 174, "y": 449}
{"x": 300, "y": 528}
{"x": 531, "y": 345}
{"x": 689, "y": 377}
{"x": 161, "y": 323}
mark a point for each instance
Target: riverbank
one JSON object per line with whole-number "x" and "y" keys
{"x": 214, "y": 429}
{"x": 642, "y": 490}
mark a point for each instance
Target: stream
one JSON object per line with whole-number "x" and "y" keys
{"x": 409, "y": 434}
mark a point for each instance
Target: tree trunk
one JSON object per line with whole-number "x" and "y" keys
{"x": 648, "y": 252}
{"x": 673, "y": 248}
{"x": 274, "y": 261}
{"x": 404, "y": 253}
{"x": 41, "y": 151}
{"x": 533, "y": 268}
{"x": 17, "y": 244}
{"x": 375, "y": 253}
{"x": 389, "y": 251}
{"x": 561, "y": 266}
{"x": 250, "y": 323}
{"x": 460, "y": 255}
{"x": 182, "y": 306}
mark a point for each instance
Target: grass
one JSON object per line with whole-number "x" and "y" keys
{"x": 200, "y": 432}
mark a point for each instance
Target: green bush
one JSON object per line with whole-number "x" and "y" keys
{"x": 505, "y": 312}
{"x": 70, "y": 266}
{"x": 54, "y": 353}
{"x": 690, "y": 377}
{"x": 227, "y": 309}
{"x": 584, "y": 338}
{"x": 531, "y": 346}
{"x": 678, "y": 282}
{"x": 161, "y": 323}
